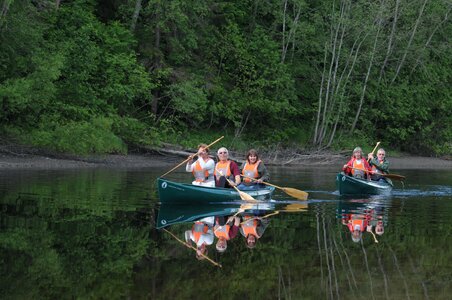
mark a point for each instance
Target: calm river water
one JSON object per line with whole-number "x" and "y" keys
{"x": 91, "y": 234}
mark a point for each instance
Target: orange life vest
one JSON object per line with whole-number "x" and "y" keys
{"x": 198, "y": 229}
{"x": 376, "y": 170}
{"x": 357, "y": 222}
{"x": 250, "y": 170}
{"x": 250, "y": 227}
{"x": 222, "y": 231}
{"x": 358, "y": 168}
{"x": 224, "y": 168}
{"x": 200, "y": 174}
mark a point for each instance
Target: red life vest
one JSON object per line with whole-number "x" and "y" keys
{"x": 223, "y": 232}
{"x": 250, "y": 170}
{"x": 200, "y": 174}
{"x": 198, "y": 229}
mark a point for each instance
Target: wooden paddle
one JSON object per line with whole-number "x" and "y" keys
{"x": 298, "y": 194}
{"x": 243, "y": 196}
{"x": 190, "y": 157}
{"x": 390, "y": 176}
{"x": 376, "y": 146}
{"x": 190, "y": 246}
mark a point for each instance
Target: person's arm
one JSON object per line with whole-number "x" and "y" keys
{"x": 263, "y": 172}
{"x": 210, "y": 166}
{"x": 190, "y": 165}
{"x": 346, "y": 168}
{"x": 236, "y": 172}
{"x": 188, "y": 236}
{"x": 384, "y": 166}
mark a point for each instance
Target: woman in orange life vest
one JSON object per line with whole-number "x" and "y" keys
{"x": 357, "y": 166}
{"x": 252, "y": 229}
{"x": 253, "y": 168}
{"x": 201, "y": 234}
{"x": 226, "y": 167}
{"x": 203, "y": 168}
{"x": 225, "y": 231}
{"x": 379, "y": 165}
{"x": 357, "y": 224}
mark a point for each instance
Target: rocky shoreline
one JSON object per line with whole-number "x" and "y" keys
{"x": 11, "y": 160}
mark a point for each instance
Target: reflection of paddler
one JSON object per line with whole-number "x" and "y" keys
{"x": 252, "y": 229}
{"x": 201, "y": 234}
{"x": 225, "y": 230}
{"x": 357, "y": 224}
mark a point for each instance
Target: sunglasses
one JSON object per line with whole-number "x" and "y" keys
{"x": 222, "y": 153}
{"x": 381, "y": 154}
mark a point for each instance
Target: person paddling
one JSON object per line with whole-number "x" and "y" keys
{"x": 226, "y": 167}
{"x": 203, "y": 168}
{"x": 201, "y": 234}
{"x": 254, "y": 168}
{"x": 225, "y": 231}
{"x": 379, "y": 164}
{"x": 357, "y": 166}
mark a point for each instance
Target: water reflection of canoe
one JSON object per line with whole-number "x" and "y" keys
{"x": 174, "y": 192}
{"x": 170, "y": 214}
{"x": 348, "y": 185}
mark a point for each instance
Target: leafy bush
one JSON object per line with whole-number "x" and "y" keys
{"x": 83, "y": 138}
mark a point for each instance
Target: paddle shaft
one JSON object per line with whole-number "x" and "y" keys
{"x": 243, "y": 196}
{"x": 299, "y": 194}
{"x": 190, "y": 157}
{"x": 391, "y": 176}
{"x": 378, "y": 143}
{"x": 190, "y": 246}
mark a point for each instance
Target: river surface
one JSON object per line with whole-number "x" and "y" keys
{"x": 91, "y": 233}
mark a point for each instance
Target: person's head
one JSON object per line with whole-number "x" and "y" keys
{"x": 356, "y": 235}
{"x": 381, "y": 154}
{"x": 203, "y": 151}
{"x": 221, "y": 245}
{"x": 223, "y": 154}
{"x": 379, "y": 228}
{"x": 250, "y": 241}
{"x": 201, "y": 251}
{"x": 357, "y": 153}
{"x": 252, "y": 156}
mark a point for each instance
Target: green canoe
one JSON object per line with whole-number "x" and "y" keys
{"x": 348, "y": 185}
{"x": 174, "y": 192}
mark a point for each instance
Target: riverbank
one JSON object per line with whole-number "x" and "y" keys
{"x": 152, "y": 159}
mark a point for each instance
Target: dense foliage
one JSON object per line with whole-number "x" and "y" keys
{"x": 89, "y": 76}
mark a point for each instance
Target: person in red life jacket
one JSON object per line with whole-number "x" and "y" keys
{"x": 226, "y": 167}
{"x": 379, "y": 164}
{"x": 253, "y": 168}
{"x": 357, "y": 166}
{"x": 252, "y": 228}
{"x": 203, "y": 168}
{"x": 201, "y": 234}
{"x": 225, "y": 231}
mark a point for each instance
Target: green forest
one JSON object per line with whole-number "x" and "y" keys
{"x": 100, "y": 76}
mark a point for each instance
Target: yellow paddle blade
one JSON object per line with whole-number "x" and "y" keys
{"x": 294, "y": 207}
{"x": 301, "y": 195}
{"x": 246, "y": 197}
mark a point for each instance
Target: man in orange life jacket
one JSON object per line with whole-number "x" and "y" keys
{"x": 252, "y": 228}
{"x": 201, "y": 234}
{"x": 253, "y": 168}
{"x": 203, "y": 168}
{"x": 225, "y": 231}
{"x": 226, "y": 167}
{"x": 357, "y": 166}
{"x": 379, "y": 165}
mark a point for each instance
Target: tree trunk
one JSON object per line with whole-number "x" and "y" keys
{"x": 135, "y": 15}
{"x": 391, "y": 38}
{"x": 410, "y": 41}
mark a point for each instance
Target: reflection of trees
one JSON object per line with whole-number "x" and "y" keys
{"x": 56, "y": 244}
